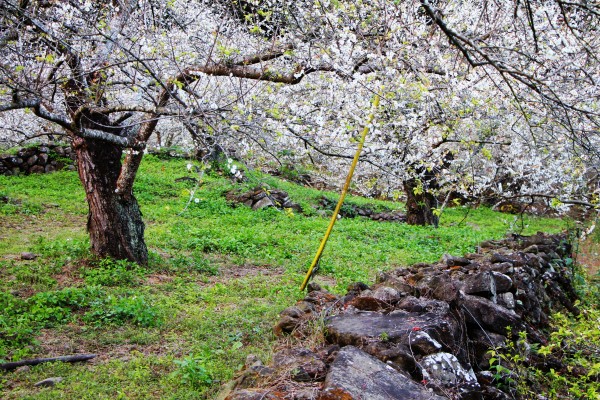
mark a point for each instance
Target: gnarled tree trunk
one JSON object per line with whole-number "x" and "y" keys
{"x": 420, "y": 204}
{"x": 115, "y": 221}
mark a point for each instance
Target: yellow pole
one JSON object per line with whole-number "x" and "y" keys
{"x": 343, "y": 195}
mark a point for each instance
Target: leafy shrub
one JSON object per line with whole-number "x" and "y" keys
{"x": 574, "y": 345}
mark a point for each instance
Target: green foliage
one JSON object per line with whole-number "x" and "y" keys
{"x": 112, "y": 273}
{"x": 192, "y": 371}
{"x": 574, "y": 343}
{"x": 119, "y": 309}
{"x": 22, "y": 318}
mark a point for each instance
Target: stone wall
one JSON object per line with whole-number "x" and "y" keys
{"x": 38, "y": 159}
{"x": 422, "y": 332}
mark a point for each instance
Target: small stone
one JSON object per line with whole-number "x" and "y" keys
{"x": 302, "y": 364}
{"x": 36, "y": 169}
{"x": 286, "y": 325}
{"x": 42, "y": 159}
{"x": 28, "y": 256}
{"x": 445, "y": 368}
{"x": 49, "y": 382}
{"x": 367, "y": 303}
{"x": 423, "y": 343}
{"x": 32, "y": 160}
{"x": 507, "y": 300}
{"x": 293, "y": 312}
{"x": 263, "y": 203}
{"x": 453, "y": 261}
{"x": 386, "y": 294}
{"x": 23, "y": 369}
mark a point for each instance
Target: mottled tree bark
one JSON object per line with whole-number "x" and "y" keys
{"x": 419, "y": 204}
{"x": 115, "y": 222}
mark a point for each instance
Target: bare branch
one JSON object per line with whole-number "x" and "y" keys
{"x": 549, "y": 196}
{"x": 261, "y": 74}
{"x": 36, "y": 106}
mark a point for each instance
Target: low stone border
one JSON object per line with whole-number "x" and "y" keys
{"x": 422, "y": 332}
{"x": 38, "y": 160}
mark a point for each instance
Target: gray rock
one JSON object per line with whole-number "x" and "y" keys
{"x": 486, "y": 283}
{"x": 447, "y": 370}
{"x": 48, "y": 382}
{"x": 32, "y": 160}
{"x": 303, "y": 365}
{"x": 359, "y": 329}
{"x": 357, "y": 375}
{"x": 263, "y": 203}
{"x": 36, "y": 169}
{"x": 386, "y": 294}
{"x": 28, "y": 256}
{"x": 453, "y": 261}
{"x": 42, "y": 159}
{"x": 507, "y": 300}
{"x": 439, "y": 287}
{"x": 422, "y": 343}
{"x": 485, "y": 313}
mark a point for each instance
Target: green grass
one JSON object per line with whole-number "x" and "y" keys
{"x": 217, "y": 278}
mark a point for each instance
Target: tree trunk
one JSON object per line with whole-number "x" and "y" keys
{"x": 115, "y": 221}
{"x": 419, "y": 204}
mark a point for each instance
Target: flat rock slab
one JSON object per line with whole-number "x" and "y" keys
{"x": 484, "y": 313}
{"x": 361, "y": 329}
{"x": 355, "y": 375}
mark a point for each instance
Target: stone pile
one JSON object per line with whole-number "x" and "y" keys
{"x": 260, "y": 197}
{"x": 353, "y": 211}
{"x": 37, "y": 160}
{"x": 422, "y": 332}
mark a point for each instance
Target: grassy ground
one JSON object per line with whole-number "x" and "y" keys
{"x": 217, "y": 278}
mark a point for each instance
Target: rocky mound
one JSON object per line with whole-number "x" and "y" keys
{"x": 352, "y": 211}
{"x": 261, "y": 197}
{"x": 423, "y": 332}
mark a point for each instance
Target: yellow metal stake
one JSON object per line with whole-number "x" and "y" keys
{"x": 343, "y": 195}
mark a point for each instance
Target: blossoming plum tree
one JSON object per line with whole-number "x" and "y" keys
{"x": 471, "y": 90}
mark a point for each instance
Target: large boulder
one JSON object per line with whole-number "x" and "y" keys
{"x": 356, "y": 375}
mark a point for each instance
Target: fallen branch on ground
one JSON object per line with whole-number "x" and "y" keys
{"x": 35, "y": 361}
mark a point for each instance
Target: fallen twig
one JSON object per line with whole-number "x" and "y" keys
{"x": 35, "y": 361}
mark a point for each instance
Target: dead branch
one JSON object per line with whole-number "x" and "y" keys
{"x": 35, "y": 361}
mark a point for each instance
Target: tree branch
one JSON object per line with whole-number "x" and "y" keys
{"x": 262, "y": 57}
{"x": 549, "y": 196}
{"x": 242, "y": 71}
{"x": 36, "y": 106}
{"x": 122, "y": 141}
{"x": 75, "y": 358}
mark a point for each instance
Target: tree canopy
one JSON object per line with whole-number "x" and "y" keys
{"x": 479, "y": 98}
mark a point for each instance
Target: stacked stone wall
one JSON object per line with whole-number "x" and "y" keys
{"x": 421, "y": 332}
{"x": 38, "y": 160}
